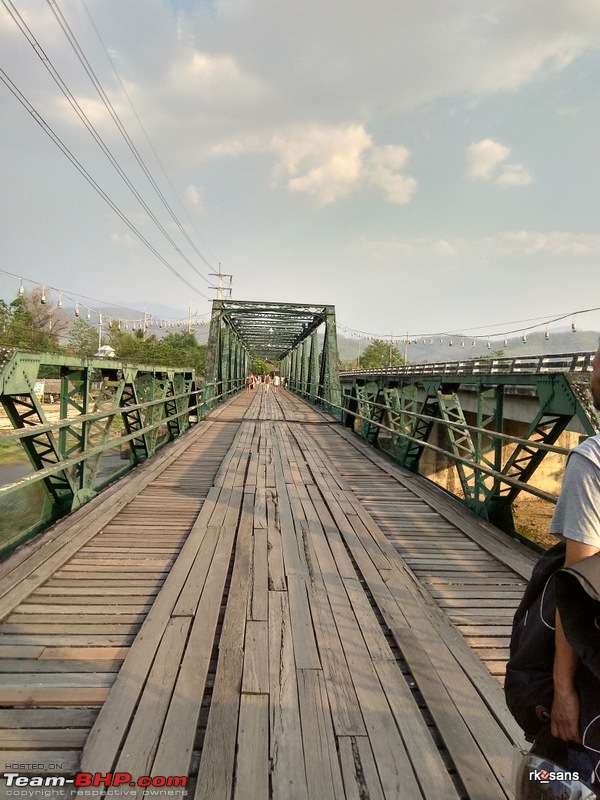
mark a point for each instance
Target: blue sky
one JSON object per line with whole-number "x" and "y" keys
{"x": 424, "y": 167}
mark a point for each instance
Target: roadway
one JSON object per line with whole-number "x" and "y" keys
{"x": 271, "y": 609}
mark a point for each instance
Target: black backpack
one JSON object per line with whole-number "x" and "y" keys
{"x": 528, "y": 685}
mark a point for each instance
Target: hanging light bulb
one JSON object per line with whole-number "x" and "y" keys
{"x": 505, "y": 342}
{"x": 462, "y": 342}
{"x": 546, "y": 335}
{"x": 524, "y": 338}
{"x": 89, "y": 314}
{"x": 573, "y": 326}
{"x": 450, "y": 343}
{"x": 489, "y": 344}
{"x": 43, "y": 297}
{"x": 77, "y": 309}
{"x": 59, "y": 304}
{"x": 473, "y": 343}
{"x": 21, "y": 288}
{"x": 110, "y": 323}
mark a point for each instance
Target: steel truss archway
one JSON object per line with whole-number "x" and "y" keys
{"x": 299, "y": 340}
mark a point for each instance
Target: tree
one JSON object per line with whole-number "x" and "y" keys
{"x": 260, "y": 367}
{"x": 83, "y": 338}
{"x": 175, "y": 350}
{"x": 35, "y": 323}
{"x": 380, "y": 354}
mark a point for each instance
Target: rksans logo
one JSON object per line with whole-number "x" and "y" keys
{"x": 545, "y": 776}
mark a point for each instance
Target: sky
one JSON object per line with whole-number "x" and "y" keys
{"x": 425, "y": 166}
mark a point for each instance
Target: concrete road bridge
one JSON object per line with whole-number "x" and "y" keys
{"x": 266, "y": 604}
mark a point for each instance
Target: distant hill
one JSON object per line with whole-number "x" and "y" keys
{"x": 423, "y": 352}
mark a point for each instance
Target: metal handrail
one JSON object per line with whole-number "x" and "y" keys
{"x": 456, "y": 458}
{"x": 519, "y": 365}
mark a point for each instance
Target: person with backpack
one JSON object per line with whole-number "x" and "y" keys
{"x": 577, "y": 520}
{"x": 552, "y": 683}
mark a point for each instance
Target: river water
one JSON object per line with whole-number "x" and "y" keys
{"x": 13, "y": 471}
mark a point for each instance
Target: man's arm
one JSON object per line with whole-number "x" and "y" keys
{"x": 565, "y": 708}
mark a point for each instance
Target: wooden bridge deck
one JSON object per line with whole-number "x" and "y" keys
{"x": 271, "y": 609}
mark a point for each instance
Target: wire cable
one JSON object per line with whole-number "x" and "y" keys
{"x": 147, "y": 137}
{"x": 46, "y": 61}
{"x": 81, "y": 169}
{"x": 72, "y": 39}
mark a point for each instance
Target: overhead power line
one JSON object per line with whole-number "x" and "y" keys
{"x": 81, "y": 169}
{"x": 143, "y": 129}
{"x": 72, "y": 39}
{"x": 46, "y": 61}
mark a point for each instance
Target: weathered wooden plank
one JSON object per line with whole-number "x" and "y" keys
{"x": 215, "y": 774}
{"x": 260, "y": 576}
{"x": 47, "y": 718}
{"x": 431, "y": 771}
{"x": 67, "y": 640}
{"x": 323, "y": 774}
{"x": 77, "y": 653}
{"x": 19, "y": 695}
{"x": 276, "y": 571}
{"x": 305, "y": 649}
{"x": 252, "y": 759}
{"x": 255, "y": 678}
{"x": 174, "y": 752}
{"x": 15, "y": 665}
{"x": 288, "y": 774}
{"x": 37, "y": 739}
{"x": 31, "y": 565}
{"x": 359, "y": 770}
{"x": 139, "y": 747}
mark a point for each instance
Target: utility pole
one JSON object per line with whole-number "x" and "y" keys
{"x": 220, "y": 288}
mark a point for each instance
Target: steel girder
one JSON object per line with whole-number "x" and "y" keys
{"x": 490, "y": 479}
{"x": 103, "y": 405}
{"x": 285, "y": 335}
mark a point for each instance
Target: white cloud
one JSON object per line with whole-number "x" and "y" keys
{"x": 484, "y": 157}
{"x": 327, "y": 162}
{"x": 504, "y": 244}
{"x": 382, "y": 170}
{"x": 485, "y": 162}
{"x": 193, "y": 195}
{"x": 323, "y": 162}
{"x": 553, "y": 242}
{"x": 514, "y": 175}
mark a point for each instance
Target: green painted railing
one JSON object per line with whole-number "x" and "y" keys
{"x": 112, "y": 416}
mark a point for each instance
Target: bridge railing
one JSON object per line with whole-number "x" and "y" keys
{"x": 111, "y": 416}
{"x": 523, "y": 365}
{"x": 416, "y": 409}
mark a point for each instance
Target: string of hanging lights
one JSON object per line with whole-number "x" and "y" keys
{"x": 481, "y": 339}
{"x": 144, "y": 321}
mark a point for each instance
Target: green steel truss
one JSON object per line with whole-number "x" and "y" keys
{"x": 286, "y": 335}
{"x": 399, "y": 413}
{"x": 105, "y": 405}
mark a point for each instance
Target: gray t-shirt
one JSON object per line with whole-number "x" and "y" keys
{"x": 577, "y": 513}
